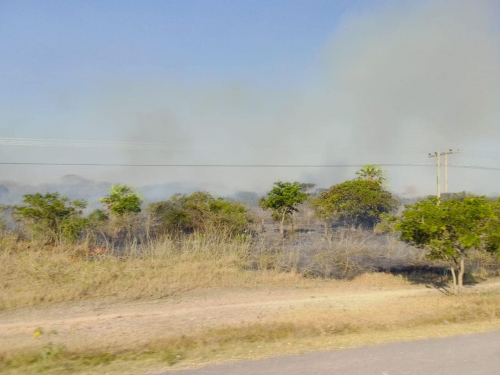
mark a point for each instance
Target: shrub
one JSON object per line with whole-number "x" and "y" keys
{"x": 52, "y": 217}
{"x": 200, "y": 212}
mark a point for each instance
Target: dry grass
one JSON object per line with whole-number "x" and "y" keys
{"x": 35, "y": 275}
{"x": 46, "y": 275}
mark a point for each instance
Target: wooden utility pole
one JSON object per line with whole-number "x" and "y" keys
{"x": 437, "y": 155}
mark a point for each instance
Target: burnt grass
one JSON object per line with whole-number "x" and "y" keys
{"x": 346, "y": 253}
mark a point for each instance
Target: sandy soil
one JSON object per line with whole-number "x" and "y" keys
{"x": 100, "y": 324}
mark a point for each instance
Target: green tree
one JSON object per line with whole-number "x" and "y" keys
{"x": 356, "y": 202}
{"x": 372, "y": 172}
{"x": 450, "y": 230}
{"x": 51, "y": 216}
{"x": 283, "y": 200}
{"x": 201, "y": 212}
{"x": 122, "y": 200}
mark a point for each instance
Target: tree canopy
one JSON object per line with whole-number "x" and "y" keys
{"x": 356, "y": 202}
{"x": 122, "y": 200}
{"x": 201, "y": 212}
{"x": 451, "y": 229}
{"x": 283, "y": 200}
{"x": 51, "y": 216}
{"x": 372, "y": 172}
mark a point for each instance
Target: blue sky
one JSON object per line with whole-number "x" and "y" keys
{"x": 345, "y": 81}
{"x": 56, "y": 50}
{"x": 53, "y": 45}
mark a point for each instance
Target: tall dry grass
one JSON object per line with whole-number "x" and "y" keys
{"x": 34, "y": 273}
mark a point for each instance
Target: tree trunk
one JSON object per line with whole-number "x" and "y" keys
{"x": 454, "y": 277}
{"x": 461, "y": 272}
{"x": 282, "y": 224}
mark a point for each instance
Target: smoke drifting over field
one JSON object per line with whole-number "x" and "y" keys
{"x": 389, "y": 86}
{"x": 426, "y": 75}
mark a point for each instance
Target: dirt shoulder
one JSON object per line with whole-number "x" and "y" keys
{"x": 100, "y": 324}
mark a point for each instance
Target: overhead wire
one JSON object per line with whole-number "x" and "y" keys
{"x": 67, "y": 143}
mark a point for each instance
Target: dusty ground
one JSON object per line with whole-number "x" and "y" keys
{"x": 97, "y": 324}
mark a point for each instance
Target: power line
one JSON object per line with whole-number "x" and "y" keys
{"x": 68, "y": 143}
{"x": 474, "y": 167}
{"x": 75, "y": 143}
{"x": 477, "y": 167}
{"x": 215, "y": 165}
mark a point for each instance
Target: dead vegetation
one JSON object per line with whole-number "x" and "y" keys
{"x": 35, "y": 273}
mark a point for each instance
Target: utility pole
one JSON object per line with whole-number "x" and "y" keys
{"x": 437, "y": 155}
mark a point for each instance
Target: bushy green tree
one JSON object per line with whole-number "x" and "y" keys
{"x": 51, "y": 216}
{"x": 122, "y": 200}
{"x": 283, "y": 200}
{"x": 201, "y": 212}
{"x": 357, "y": 202}
{"x": 451, "y": 229}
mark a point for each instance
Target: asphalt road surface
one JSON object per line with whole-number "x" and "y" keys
{"x": 460, "y": 355}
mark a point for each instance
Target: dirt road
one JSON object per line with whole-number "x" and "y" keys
{"x": 129, "y": 324}
{"x": 463, "y": 355}
{"x": 106, "y": 324}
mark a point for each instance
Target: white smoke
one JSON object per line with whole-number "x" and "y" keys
{"x": 395, "y": 82}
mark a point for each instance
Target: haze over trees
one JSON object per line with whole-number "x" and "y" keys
{"x": 448, "y": 232}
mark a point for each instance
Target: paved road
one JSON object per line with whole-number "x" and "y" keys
{"x": 461, "y": 355}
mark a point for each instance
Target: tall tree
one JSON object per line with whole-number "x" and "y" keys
{"x": 450, "y": 230}
{"x": 283, "y": 200}
{"x": 372, "y": 172}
